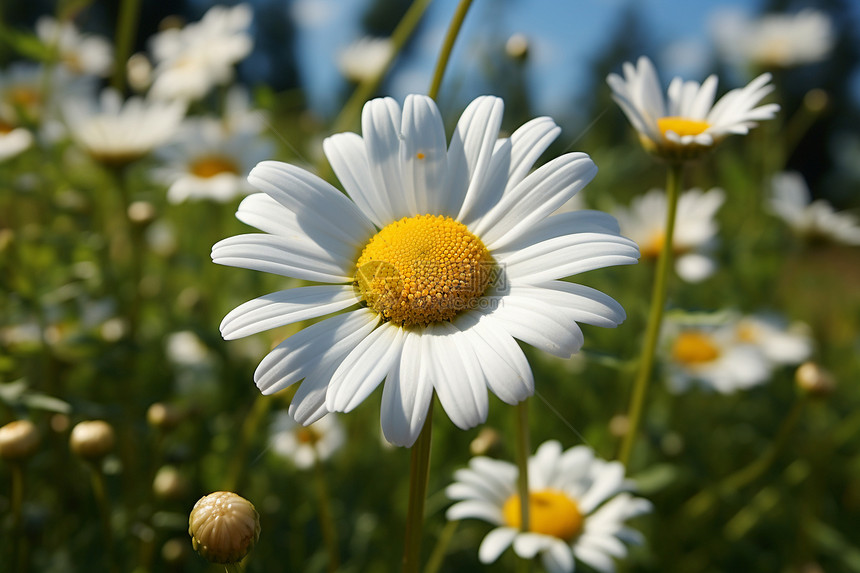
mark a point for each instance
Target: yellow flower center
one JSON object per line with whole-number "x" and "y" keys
{"x": 653, "y": 246}
{"x": 747, "y": 332}
{"x": 682, "y": 126}
{"x": 212, "y": 165}
{"x": 694, "y": 348}
{"x": 423, "y": 269}
{"x": 5, "y": 127}
{"x": 307, "y": 435}
{"x": 551, "y": 512}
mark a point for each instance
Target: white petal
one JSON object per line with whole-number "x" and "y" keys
{"x": 475, "y": 509}
{"x": 313, "y": 200}
{"x": 695, "y": 267}
{"x": 584, "y": 304}
{"x": 285, "y": 307}
{"x": 558, "y": 558}
{"x": 407, "y": 394}
{"x": 308, "y": 403}
{"x": 609, "y": 483}
{"x": 300, "y": 258}
{"x": 457, "y": 378}
{"x": 380, "y": 127}
{"x": 495, "y": 543}
{"x": 562, "y": 224}
{"x": 364, "y": 368}
{"x": 528, "y": 144}
{"x": 527, "y": 545}
{"x": 594, "y": 558}
{"x": 536, "y": 323}
{"x": 424, "y": 158}
{"x": 348, "y": 158}
{"x": 535, "y": 198}
{"x": 300, "y": 354}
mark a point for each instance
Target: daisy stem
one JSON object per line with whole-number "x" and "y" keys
{"x": 351, "y": 110}
{"x": 419, "y": 473}
{"x": 448, "y": 46}
{"x": 126, "y": 30}
{"x": 655, "y": 316}
{"x": 438, "y": 554}
{"x": 329, "y": 530}
{"x": 522, "y": 424}
{"x": 100, "y": 492}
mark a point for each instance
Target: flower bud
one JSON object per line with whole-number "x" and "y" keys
{"x": 517, "y": 47}
{"x": 224, "y": 527}
{"x": 18, "y": 440}
{"x": 485, "y": 442}
{"x": 163, "y": 416}
{"x": 169, "y": 483}
{"x": 814, "y": 380}
{"x": 92, "y": 440}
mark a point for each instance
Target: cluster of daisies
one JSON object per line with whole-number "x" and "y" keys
{"x": 199, "y": 156}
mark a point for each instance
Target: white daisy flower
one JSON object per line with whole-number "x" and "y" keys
{"x": 578, "y": 505}
{"x": 781, "y": 343}
{"x": 205, "y": 161}
{"x": 790, "y": 201}
{"x": 13, "y": 140}
{"x": 695, "y": 229}
{"x": 79, "y": 53}
{"x": 365, "y": 58}
{"x": 775, "y": 40}
{"x": 688, "y": 123}
{"x": 191, "y": 60}
{"x": 449, "y": 253}
{"x": 116, "y": 132}
{"x": 712, "y": 355}
{"x": 304, "y": 445}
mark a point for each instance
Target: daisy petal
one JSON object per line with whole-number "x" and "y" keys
{"x": 527, "y": 545}
{"x": 537, "y": 323}
{"x": 475, "y": 509}
{"x": 348, "y": 158}
{"x": 407, "y": 394}
{"x": 285, "y": 307}
{"x": 458, "y": 380}
{"x": 471, "y": 150}
{"x": 380, "y": 126}
{"x": 495, "y": 543}
{"x": 424, "y": 157}
{"x": 558, "y": 558}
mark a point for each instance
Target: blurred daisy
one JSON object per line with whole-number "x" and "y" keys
{"x": 695, "y": 229}
{"x": 79, "y": 53}
{"x": 688, "y": 123}
{"x": 713, "y": 355}
{"x": 304, "y": 445}
{"x": 775, "y": 40}
{"x": 117, "y": 132}
{"x": 365, "y": 58}
{"x": 815, "y": 220}
{"x": 780, "y": 342}
{"x": 190, "y": 61}
{"x": 445, "y": 254}
{"x": 204, "y": 161}
{"x": 13, "y": 140}
{"x": 577, "y": 508}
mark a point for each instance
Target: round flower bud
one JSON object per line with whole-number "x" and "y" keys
{"x": 92, "y": 440}
{"x": 814, "y": 380}
{"x": 18, "y": 440}
{"x": 485, "y": 442}
{"x": 163, "y": 416}
{"x": 517, "y": 47}
{"x": 224, "y": 527}
{"x": 169, "y": 483}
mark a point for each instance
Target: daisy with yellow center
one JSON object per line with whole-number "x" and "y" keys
{"x": 578, "y": 506}
{"x": 687, "y": 123}
{"x": 712, "y": 353}
{"x": 695, "y": 230}
{"x": 305, "y": 445}
{"x": 206, "y": 160}
{"x": 442, "y": 255}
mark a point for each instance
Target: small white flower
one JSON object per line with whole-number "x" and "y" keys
{"x": 695, "y": 229}
{"x": 578, "y": 506}
{"x": 205, "y": 161}
{"x": 780, "y": 342}
{"x": 117, "y": 132}
{"x": 688, "y": 123}
{"x": 79, "y": 53}
{"x": 185, "y": 348}
{"x": 13, "y": 140}
{"x": 191, "y": 60}
{"x": 711, "y": 354}
{"x": 775, "y": 40}
{"x": 790, "y": 201}
{"x": 365, "y": 58}
{"x": 304, "y": 445}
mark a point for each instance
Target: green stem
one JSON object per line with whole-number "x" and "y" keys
{"x": 126, "y": 32}
{"x": 329, "y": 530}
{"x": 522, "y": 425}
{"x": 705, "y": 500}
{"x": 249, "y": 430}
{"x": 655, "y": 317}
{"x": 100, "y": 493}
{"x": 419, "y": 474}
{"x": 351, "y": 110}
{"x": 441, "y": 548}
{"x": 448, "y": 46}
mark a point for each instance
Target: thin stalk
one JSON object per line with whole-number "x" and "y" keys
{"x": 655, "y": 316}
{"x": 419, "y": 474}
{"x": 18, "y": 542}
{"x": 347, "y": 117}
{"x": 441, "y": 548}
{"x": 249, "y": 430}
{"x": 522, "y": 425}
{"x": 448, "y": 46}
{"x": 100, "y": 493}
{"x": 126, "y": 33}
{"x": 329, "y": 530}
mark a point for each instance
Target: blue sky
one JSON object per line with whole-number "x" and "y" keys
{"x": 563, "y": 35}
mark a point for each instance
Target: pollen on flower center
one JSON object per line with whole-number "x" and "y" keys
{"x": 653, "y": 246}
{"x": 694, "y": 348}
{"x": 551, "y": 512}
{"x": 423, "y": 269}
{"x": 212, "y": 165}
{"x": 682, "y": 126}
